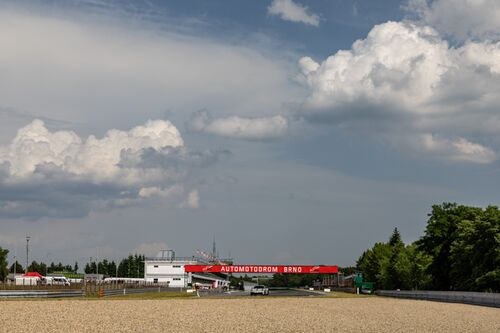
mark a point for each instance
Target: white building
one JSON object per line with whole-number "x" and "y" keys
{"x": 168, "y": 269}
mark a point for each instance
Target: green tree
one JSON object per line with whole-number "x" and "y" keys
{"x": 123, "y": 268}
{"x": 418, "y": 262}
{"x": 395, "y": 239}
{"x": 112, "y": 269}
{"x": 3, "y": 264}
{"x": 475, "y": 252}
{"x": 393, "y": 265}
{"x": 395, "y": 269}
{"x": 19, "y": 268}
{"x": 40, "y": 268}
{"x": 90, "y": 268}
{"x": 440, "y": 234}
{"x": 374, "y": 262}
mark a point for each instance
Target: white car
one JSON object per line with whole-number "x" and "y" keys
{"x": 54, "y": 281}
{"x": 259, "y": 290}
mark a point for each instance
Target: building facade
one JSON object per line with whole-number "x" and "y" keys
{"x": 167, "y": 269}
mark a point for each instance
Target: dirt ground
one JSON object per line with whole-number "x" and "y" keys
{"x": 373, "y": 314}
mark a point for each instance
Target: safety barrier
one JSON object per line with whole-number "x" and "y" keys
{"x": 41, "y": 293}
{"x": 81, "y": 293}
{"x": 128, "y": 291}
{"x": 466, "y": 297}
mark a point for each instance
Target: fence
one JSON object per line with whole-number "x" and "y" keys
{"x": 128, "y": 291}
{"x": 100, "y": 291}
{"x": 41, "y": 293}
{"x": 92, "y": 288}
{"x": 466, "y": 297}
{"x": 33, "y": 286}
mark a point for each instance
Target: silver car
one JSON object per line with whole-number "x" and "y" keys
{"x": 259, "y": 290}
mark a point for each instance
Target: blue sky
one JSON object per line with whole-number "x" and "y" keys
{"x": 292, "y": 131}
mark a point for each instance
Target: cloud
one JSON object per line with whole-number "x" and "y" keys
{"x": 457, "y": 150}
{"x": 294, "y": 12}
{"x": 398, "y": 63}
{"x": 461, "y": 19}
{"x": 96, "y": 159}
{"x": 59, "y": 174}
{"x": 150, "y": 249}
{"x": 193, "y": 200}
{"x": 264, "y": 128}
{"x": 404, "y": 79}
{"x": 155, "y": 191}
{"x": 123, "y": 71}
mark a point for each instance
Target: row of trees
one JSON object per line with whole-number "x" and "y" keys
{"x": 393, "y": 265}
{"x": 460, "y": 250}
{"x": 130, "y": 267}
{"x": 41, "y": 267}
{"x": 301, "y": 280}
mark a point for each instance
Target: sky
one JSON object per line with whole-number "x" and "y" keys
{"x": 291, "y": 131}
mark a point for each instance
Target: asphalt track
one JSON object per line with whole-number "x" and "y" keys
{"x": 276, "y": 293}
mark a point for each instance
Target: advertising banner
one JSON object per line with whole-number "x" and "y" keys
{"x": 265, "y": 269}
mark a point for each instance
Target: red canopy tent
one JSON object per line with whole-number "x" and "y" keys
{"x": 33, "y": 274}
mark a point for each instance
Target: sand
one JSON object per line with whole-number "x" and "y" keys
{"x": 373, "y": 314}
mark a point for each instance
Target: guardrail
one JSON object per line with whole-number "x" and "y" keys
{"x": 128, "y": 291}
{"x": 28, "y": 293}
{"x": 41, "y": 293}
{"x": 465, "y": 297}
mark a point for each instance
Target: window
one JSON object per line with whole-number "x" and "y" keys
{"x": 155, "y": 280}
{"x": 155, "y": 266}
{"x": 177, "y": 279}
{"x": 176, "y": 266}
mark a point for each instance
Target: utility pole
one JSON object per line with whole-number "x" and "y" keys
{"x": 27, "y": 251}
{"x": 97, "y": 263}
{"x": 15, "y": 264}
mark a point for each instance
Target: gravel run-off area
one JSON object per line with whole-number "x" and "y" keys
{"x": 373, "y": 314}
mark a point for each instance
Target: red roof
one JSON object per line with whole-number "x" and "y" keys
{"x": 33, "y": 274}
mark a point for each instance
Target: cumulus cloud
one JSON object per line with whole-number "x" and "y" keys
{"x": 59, "y": 174}
{"x": 404, "y": 75}
{"x": 294, "y": 12}
{"x": 96, "y": 159}
{"x": 457, "y": 150}
{"x": 461, "y": 19}
{"x": 397, "y": 64}
{"x": 263, "y": 128}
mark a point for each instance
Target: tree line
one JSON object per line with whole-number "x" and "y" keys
{"x": 302, "y": 280}
{"x": 41, "y": 267}
{"x": 130, "y": 267}
{"x": 460, "y": 250}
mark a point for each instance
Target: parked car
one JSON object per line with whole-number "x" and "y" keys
{"x": 366, "y": 291}
{"x": 54, "y": 281}
{"x": 259, "y": 290}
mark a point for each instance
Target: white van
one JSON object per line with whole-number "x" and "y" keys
{"x": 54, "y": 281}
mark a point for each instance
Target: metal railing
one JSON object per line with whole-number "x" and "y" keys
{"x": 37, "y": 286}
{"x": 465, "y": 297}
{"x": 174, "y": 259}
{"x": 41, "y": 293}
{"x": 90, "y": 289}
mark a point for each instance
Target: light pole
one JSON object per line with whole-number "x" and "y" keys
{"x": 27, "y": 252}
{"x": 97, "y": 259}
{"x": 15, "y": 264}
